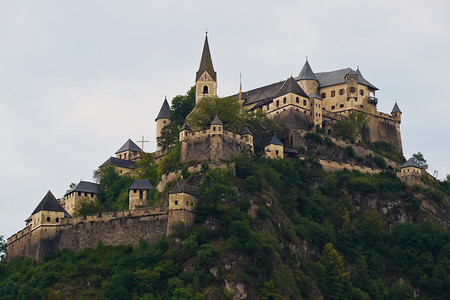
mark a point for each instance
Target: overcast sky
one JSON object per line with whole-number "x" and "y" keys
{"x": 78, "y": 78}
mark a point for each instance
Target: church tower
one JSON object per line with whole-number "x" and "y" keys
{"x": 162, "y": 120}
{"x": 206, "y": 78}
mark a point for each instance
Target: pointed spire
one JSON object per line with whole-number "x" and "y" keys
{"x": 275, "y": 141}
{"x": 216, "y": 121}
{"x": 164, "y": 112}
{"x": 49, "y": 203}
{"x": 129, "y": 145}
{"x": 396, "y": 109}
{"x": 246, "y": 130}
{"x": 206, "y": 62}
{"x": 291, "y": 86}
{"x": 307, "y": 73}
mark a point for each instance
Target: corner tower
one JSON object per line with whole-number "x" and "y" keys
{"x": 308, "y": 80}
{"x": 205, "y": 78}
{"x": 162, "y": 120}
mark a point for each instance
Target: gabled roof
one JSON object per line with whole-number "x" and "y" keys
{"x": 49, "y": 203}
{"x": 246, "y": 130}
{"x": 118, "y": 162}
{"x": 164, "y": 112}
{"x": 275, "y": 141}
{"x": 396, "y": 109}
{"x": 206, "y": 63}
{"x": 411, "y": 163}
{"x": 85, "y": 187}
{"x": 129, "y": 145}
{"x": 291, "y": 86}
{"x": 314, "y": 95}
{"x": 185, "y": 127}
{"x": 307, "y": 73}
{"x": 141, "y": 184}
{"x": 216, "y": 121}
{"x": 338, "y": 77}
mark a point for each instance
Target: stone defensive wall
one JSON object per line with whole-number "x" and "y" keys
{"x": 331, "y": 166}
{"x": 111, "y": 228}
{"x": 166, "y": 178}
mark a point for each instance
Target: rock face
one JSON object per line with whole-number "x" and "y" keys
{"x": 238, "y": 288}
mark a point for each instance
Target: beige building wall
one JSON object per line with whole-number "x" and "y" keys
{"x": 45, "y": 218}
{"x": 181, "y": 208}
{"x": 160, "y": 123}
{"x": 274, "y": 151}
{"x": 317, "y": 111}
{"x": 308, "y": 86}
{"x": 137, "y": 199}
{"x": 205, "y": 86}
{"x": 130, "y": 155}
{"x": 71, "y": 200}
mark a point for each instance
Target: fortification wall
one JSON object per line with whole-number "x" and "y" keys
{"x": 293, "y": 119}
{"x": 125, "y": 227}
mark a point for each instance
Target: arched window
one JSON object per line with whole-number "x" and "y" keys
{"x": 205, "y": 90}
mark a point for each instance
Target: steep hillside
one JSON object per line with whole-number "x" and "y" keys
{"x": 273, "y": 229}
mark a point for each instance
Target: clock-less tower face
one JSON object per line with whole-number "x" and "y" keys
{"x": 205, "y": 87}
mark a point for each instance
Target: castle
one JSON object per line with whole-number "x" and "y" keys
{"x": 308, "y": 100}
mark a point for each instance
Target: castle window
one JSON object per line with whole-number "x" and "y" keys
{"x": 205, "y": 90}
{"x": 79, "y": 193}
{"x": 323, "y": 95}
{"x": 341, "y": 106}
{"x": 362, "y": 106}
{"x": 284, "y": 100}
{"x": 176, "y": 202}
{"x": 57, "y": 220}
{"x": 278, "y": 103}
{"x": 48, "y": 219}
{"x": 333, "y": 107}
{"x": 304, "y": 102}
{"x": 214, "y": 128}
{"x": 92, "y": 194}
{"x": 141, "y": 194}
{"x": 276, "y": 152}
{"x": 341, "y": 92}
{"x": 120, "y": 156}
{"x": 192, "y": 204}
{"x": 361, "y": 92}
{"x": 352, "y": 90}
{"x": 164, "y": 122}
{"x": 187, "y": 203}
{"x": 134, "y": 191}
{"x": 297, "y": 100}
{"x": 333, "y": 93}
{"x": 125, "y": 156}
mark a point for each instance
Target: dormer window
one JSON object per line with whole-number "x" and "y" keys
{"x": 205, "y": 90}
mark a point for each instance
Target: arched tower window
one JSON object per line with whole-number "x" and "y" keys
{"x": 205, "y": 90}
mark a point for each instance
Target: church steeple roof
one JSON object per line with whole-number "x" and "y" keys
{"x": 206, "y": 62}
{"x": 129, "y": 145}
{"x": 307, "y": 73}
{"x": 291, "y": 86}
{"x": 164, "y": 112}
{"x": 396, "y": 109}
{"x": 49, "y": 203}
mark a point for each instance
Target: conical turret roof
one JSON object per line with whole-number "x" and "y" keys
{"x": 216, "y": 121}
{"x": 246, "y": 130}
{"x": 185, "y": 127}
{"x": 164, "y": 112}
{"x": 396, "y": 109}
{"x": 275, "y": 141}
{"x": 49, "y": 203}
{"x": 206, "y": 62}
{"x": 307, "y": 73}
{"x": 129, "y": 145}
{"x": 291, "y": 86}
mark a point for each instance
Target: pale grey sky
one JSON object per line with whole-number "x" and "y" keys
{"x": 78, "y": 78}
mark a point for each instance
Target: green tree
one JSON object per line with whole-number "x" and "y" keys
{"x": 182, "y": 107}
{"x": 111, "y": 185}
{"x": 269, "y": 291}
{"x": 87, "y": 206}
{"x": 229, "y": 111}
{"x": 420, "y": 159}
{"x": 169, "y": 136}
{"x": 2, "y": 248}
{"x": 348, "y": 129}
{"x": 148, "y": 169}
{"x": 336, "y": 278}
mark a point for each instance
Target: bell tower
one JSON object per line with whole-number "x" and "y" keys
{"x": 206, "y": 78}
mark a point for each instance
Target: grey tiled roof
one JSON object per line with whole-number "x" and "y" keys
{"x": 181, "y": 186}
{"x": 164, "y": 112}
{"x": 262, "y": 93}
{"x": 206, "y": 63}
{"x": 216, "y": 121}
{"x": 49, "y": 203}
{"x": 411, "y": 163}
{"x": 246, "y": 130}
{"x": 396, "y": 109}
{"x": 123, "y": 163}
{"x": 185, "y": 127}
{"x": 141, "y": 184}
{"x": 314, "y": 95}
{"x": 85, "y": 187}
{"x": 338, "y": 77}
{"x": 129, "y": 145}
{"x": 307, "y": 73}
{"x": 276, "y": 141}
{"x": 291, "y": 86}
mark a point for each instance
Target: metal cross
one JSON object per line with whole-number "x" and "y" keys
{"x": 142, "y": 141}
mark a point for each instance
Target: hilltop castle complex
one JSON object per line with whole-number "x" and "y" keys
{"x": 310, "y": 100}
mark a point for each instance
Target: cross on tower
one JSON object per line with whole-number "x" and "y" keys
{"x": 142, "y": 141}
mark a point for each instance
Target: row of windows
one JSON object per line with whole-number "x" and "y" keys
{"x": 141, "y": 194}
{"x": 342, "y": 106}
{"x": 187, "y": 203}
{"x": 297, "y": 100}
{"x": 342, "y": 92}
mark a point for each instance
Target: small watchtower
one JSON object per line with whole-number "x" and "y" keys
{"x": 396, "y": 113}
{"x": 48, "y": 213}
{"x": 129, "y": 151}
{"x": 247, "y": 135}
{"x": 275, "y": 149}
{"x": 184, "y": 132}
{"x": 182, "y": 203}
{"x": 162, "y": 120}
{"x": 216, "y": 126}
{"x": 138, "y": 193}
{"x": 307, "y": 79}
